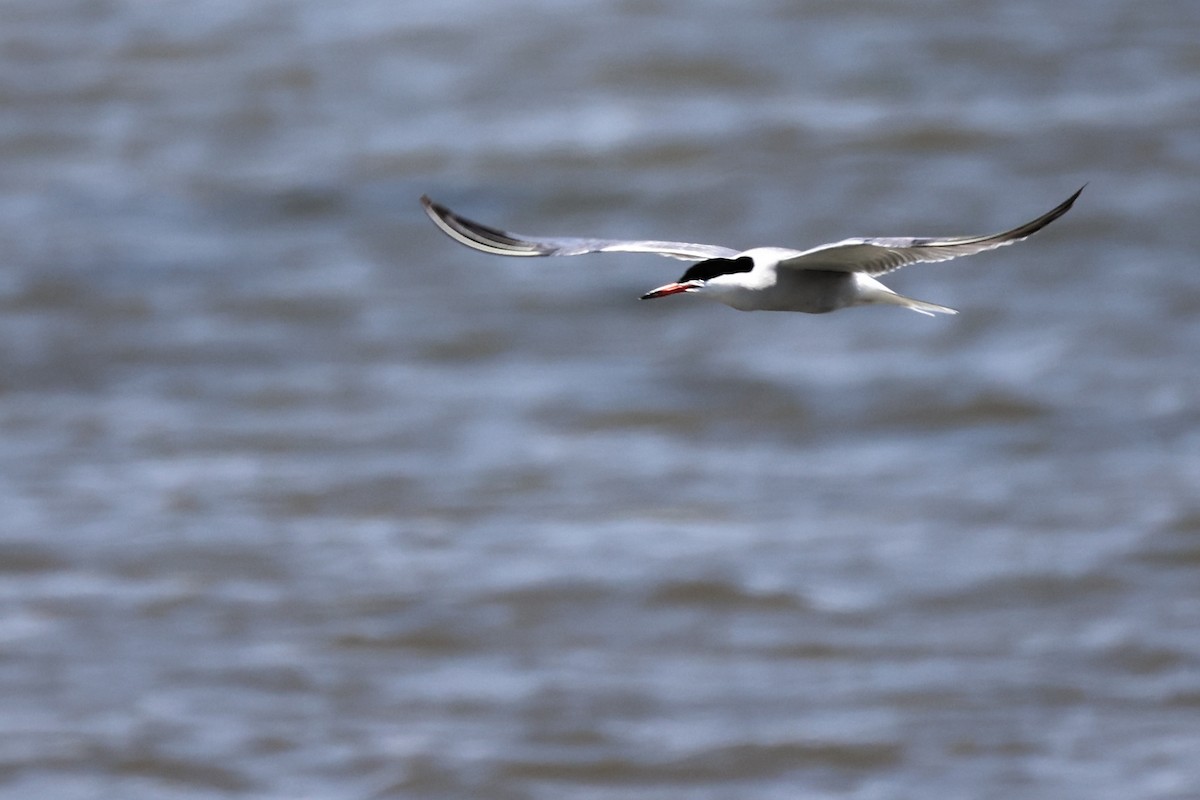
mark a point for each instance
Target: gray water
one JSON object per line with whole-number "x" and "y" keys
{"x": 301, "y": 499}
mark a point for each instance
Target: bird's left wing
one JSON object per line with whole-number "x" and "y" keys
{"x": 875, "y": 256}
{"x": 492, "y": 240}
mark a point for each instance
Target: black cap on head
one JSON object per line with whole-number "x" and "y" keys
{"x": 710, "y": 268}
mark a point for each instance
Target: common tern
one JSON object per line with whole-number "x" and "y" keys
{"x": 821, "y": 279}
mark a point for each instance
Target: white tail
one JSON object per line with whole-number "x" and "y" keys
{"x": 920, "y": 306}
{"x": 871, "y": 291}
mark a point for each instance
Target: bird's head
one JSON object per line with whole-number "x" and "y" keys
{"x": 699, "y": 274}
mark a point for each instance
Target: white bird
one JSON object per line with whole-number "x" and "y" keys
{"x": 821, "y": 279}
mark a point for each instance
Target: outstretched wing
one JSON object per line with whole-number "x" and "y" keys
{"x": 875, "y": 256}
{"x": 501, "y": 243}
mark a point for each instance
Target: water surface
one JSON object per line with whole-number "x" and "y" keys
{"x": 302, "y": 499}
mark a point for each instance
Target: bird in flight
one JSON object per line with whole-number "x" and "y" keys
{"x": 820, "y": 279}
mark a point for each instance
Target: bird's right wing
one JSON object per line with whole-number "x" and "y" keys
{"x": 498, "y": 242}
{"x": 875, "y": 256}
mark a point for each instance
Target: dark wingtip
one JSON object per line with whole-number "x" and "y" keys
{"x": 1066, "y": 205}
{"x": 428, "y": 204}
{"x": 1049, "y": 216}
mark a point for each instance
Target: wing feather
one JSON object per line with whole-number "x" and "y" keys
{"x": 493, "y": 240}
{"x": 875, "y": 256}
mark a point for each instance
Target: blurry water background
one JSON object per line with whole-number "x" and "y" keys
{"x": 301, "y": 499}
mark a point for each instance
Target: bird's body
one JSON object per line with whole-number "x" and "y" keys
{"x": 764, "y": 288}
{"x": 814, "y": 281}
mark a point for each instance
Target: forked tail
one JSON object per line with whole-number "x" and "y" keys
{"x": 871, "y": 291}
{"x": 920, "y": 306}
